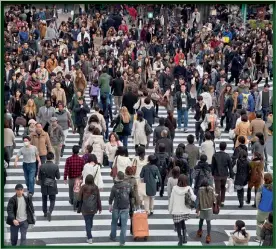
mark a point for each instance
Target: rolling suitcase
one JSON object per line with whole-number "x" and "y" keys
{"x": 140, "y": 226}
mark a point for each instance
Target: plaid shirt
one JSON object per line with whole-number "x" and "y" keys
{"x": 73, "y": 167}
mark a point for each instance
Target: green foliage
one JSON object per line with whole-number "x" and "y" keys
{"x": 254, "y": 24}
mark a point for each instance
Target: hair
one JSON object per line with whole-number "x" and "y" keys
{"x": 50, "y": 156}
{"x": 208, "y": 135}
{"x": 244, "y": 118}
{"x": 26, "y": 137}
{"x": 211, "y": 109}
{"x": 240, "y": 228}
{"x": 241, "y": 139}
{"x": 147, "y": 100}
{"x": 162, "y": 147}
{"x": 141, "y": 152}
{"x": 76, "y": 149}
{"x": 30, "y": 109}
{"x": 152, "y": 159}
{"x": 203, "y": 158}
{"x": 113, "y": 134}
{"x": 89, "y": 180}
{"x": 260, "y": 136}
{"x": 125, "y": 115}
{"x": 93, "y": 118}
{"x": 89, "y": 148}
{"x": 164, "y": 133}
{"x": 175, "y": 172}
{"x": 270, "y": 217}
{"x": 181, "y": 145}
{"x": 182, "y": 181}
{"x": 222, "y": 146}
{"x": 259, "y": 115}
{"x": 96, "y": 131}
{"x": 120, "y": 176}
{"x": 199, "y": 98}
{"x": 191, "y": 139}
{"x": 243, "y": 154}
{"x": 258, "y": 156}
{"x": 129, "y": 171}
{"x": 179, "y": 152}
{"x": 205, "y": 184}
{"x": 161, "y": 121}
{"x": 92, "y": 158}
{"x": 122, "y": 151}
{"x": 268, "y": 178}
{"x": 140, "y": 116}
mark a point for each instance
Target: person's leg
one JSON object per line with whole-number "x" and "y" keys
{"x": 26, "y": 174}
{"x": 71, "y": 182}
{"x": 208, "y": 237}
{"x": 200, "y": 225}
{"x": 223, "y": 189}
{"x": 124, "y": 217}
{"x": 151, "y": 206}
{"x": 88, "y": 225}
{"x": 197, "y": 130}
{"x": 52, "y": 199}
{"x": 163, "y": 176}
{"x": 14, "y": 235}
{"x": 217, "y": 189}
{"x": 190, "y": 176}
{"x": 115, "y": 218}
{"x": 146, "y": 204}
{"x": 248, "y": 200}
{"x": 222, "y": 120}
{"x": 184, "y": 232}
{"x": 179, "y": 116}
{"x": 23, "y": 231}
{"x": 125, "y": 141}
{"x": 116, "y": 102}
{"x": 57, "y": 154}
{"x": 186, "y": 118}
{"x": 44, "y": 203}
{"x": 178, "y": 229}
{"x": 81, "y": 131}
{"x": 32, "y": 171}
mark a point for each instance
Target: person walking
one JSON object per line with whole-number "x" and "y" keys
{"x": 267, "y": 231}
{"x": 206, "y": 199}
{"x": 150, "y": 176}
{"x": 30, "y": 157}
{"x": 138, "y": 130}
{"x": 47, "y": 175}
{"x": 73, "y": 169}
{"x": 239, "y": 237}
{"x": 207, "y": 147}
{"x": 56, "y": 137}
{"x": 44, "y": 114}
{"x": 120, "y": 202}
{"x": 111, "y": 147}
{"x": 90, "y": 203}
{"x": 179, "y": 211}
{"x": 172, "y": 181}
{"x": 117, "y": 89}
{"x": 20, "y": 211}
{"x": 9, "y": 141}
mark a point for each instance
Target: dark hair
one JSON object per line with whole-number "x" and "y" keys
{"x": 259, "y": 115}
{"x": 140, "y": 116}
{"x": 243, "y": 112}
{"x": 268, "y": 178}
{"x": 76, "y": 149}
{"x": 50, "y": 156}
{"x": 199, "y": 98}
{"x": 182, "y": 181}
{"x": 141, "y": 152}
{"x": 89, "y": 180}
{"x": 152, "y": 159}
{"x": 203, "y": 158}
{"x": 89, "y": 148}
{"x": 243, "y": 154}
{"x": 161, "y": 121}
{"x": 129, "y": 171}
{"x": 96, "y": 131}
{"x": 175, "y": 172}
{"x": 181, "y": 145}
{"x": 179, "y": 152}
{"x": 211, "y": 109}
{"x": 208, "y": 135}
{"x": 260, "y": 136}
{"x": 120, "y": 176}
{"x": 241, "y": 139}
{"x": 162, "y": 147}
{"x": 96, "y": 108}
{"x": 244, "y": 118}
{"x": 122, "y": 151}
{"x": 26, "y": 137}
{"x": 258, "y": 156}
{"x": 118, "y": 74}
{"x": 240, "y": 228}
{"x": 191, "y": 139}
{"x": 270, "y": 217}
{"x": 222, "y": 146}
{"x": 147, "y": 100}
{"x": 93, "y": 118}
{"x": 92, "y": 158}
{"x": 113, "y": 134}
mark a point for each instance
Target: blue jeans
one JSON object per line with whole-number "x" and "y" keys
{"x": 124, "y": 140}
{"x": 29, "y": 174}
{"x": 119, "y": 215}
{"x": 107, "y": 130}
{"x": 23, "y": 227}
{"x": 182, "y": 114}
{"x": 110, "y": 164}
{"x": 88, "y": 218}
{"x": 265, "y": 112}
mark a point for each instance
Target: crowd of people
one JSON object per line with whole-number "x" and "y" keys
{"x": 138, "y": 66}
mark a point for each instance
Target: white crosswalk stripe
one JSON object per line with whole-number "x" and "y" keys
{"x": 67, "y": 227}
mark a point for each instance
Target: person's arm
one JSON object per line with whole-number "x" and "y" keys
{"x": 99, "y": 202}
{"x": 142, "y": 173}
{"x": 48, "y": 143}
{"x": 57, "y": 175}
{"x": 111, "y": 198}
{"x": 66, "y": 171}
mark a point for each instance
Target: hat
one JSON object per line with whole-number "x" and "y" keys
{"x": 53, "y": 119}
{"x": 18, "y": 186}
{"x": 32, "y": 121}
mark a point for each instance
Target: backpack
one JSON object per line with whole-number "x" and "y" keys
{"x": 122, "y": 195}
{"x": 202, "y": 175}
{"x": 90, "y": 204}
{"x": 266, "y": 203}
{"x": 181, "y": 164}
{"x": 162, "y": 164}
{"x": 245, "y": 97}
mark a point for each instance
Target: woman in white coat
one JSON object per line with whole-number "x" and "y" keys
{"x": 178, "y": 209}
{"x": 121, "y": 160}
{"x": 138, "y": 131}
{"x": 93, "y": 168}
{"x": 208, "y": 147}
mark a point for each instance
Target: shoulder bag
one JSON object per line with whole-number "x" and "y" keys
{"x": 114, "y": 170}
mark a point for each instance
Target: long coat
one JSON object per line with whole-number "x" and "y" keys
{"x": 49, "y": 170}
{"x": 256, "y": 172}
{"x": 150, "y": 174}
{"x": 242, "y": 174}
{"x": 138, "y": 132}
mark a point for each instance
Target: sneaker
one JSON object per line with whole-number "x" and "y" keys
{"x": 49, "y": 216}
{"x": 90, "y": 241}
{"x": 185, "y": 130}
{"x": 122, "y": 244}
{"x": 113, "y": 239}
{"x": 222, "y": 204}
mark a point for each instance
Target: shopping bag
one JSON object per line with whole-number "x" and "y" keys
{"x": 230, "y": 186}
{"x": 142, "y": 189}
{"x": 232, "y": 134}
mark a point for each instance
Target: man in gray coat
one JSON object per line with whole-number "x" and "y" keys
{"x": 48, "y": 174}
{"x": 157, "y": 131}
{"x": 44, "y": 114}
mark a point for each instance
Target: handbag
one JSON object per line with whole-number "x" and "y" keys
{"x": 216, "y": 208}
{"x": 232, "y": 134}
{"x": 21, "y": 121}
{"x": 120, "y": 127}
{"x": 148, "y": 129}
{"x": 203, "y": 126}
{"x": 189, "y": 203}
{"x": 225, "y": 39}
{"x": 217, "y": 132}
{"x": 163, "y": 101}
{"x": 114, "y": 170}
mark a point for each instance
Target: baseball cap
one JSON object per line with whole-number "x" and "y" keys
{"x": 18, "y": 186}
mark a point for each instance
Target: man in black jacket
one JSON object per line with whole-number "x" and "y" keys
{"x": 20, "y": 211}
{"x": 48, "y": 174}
{"x": 68, "y": 87}
{"x": 221, "y": 169}
{"x": 117, "y": 89}
{"x": 166, "y": 141}
{"x": 166, "y": 80}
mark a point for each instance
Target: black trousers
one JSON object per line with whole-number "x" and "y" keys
{"x": 199, "y": 132}
{"x": 162, "y": 186}
{"x": 234, "y": 76}
{"x": 249, "y": 195}
{"x": 52, "y": 199}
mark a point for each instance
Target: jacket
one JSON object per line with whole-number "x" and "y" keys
{"x": 157, "y": 133}
{"x": 113, "y": 195}
{"x": 267, "y": 234}
{"x": 178, "y": 100}
{"x": 149, "y": 114}
{"x": 193, "y": 155}
{"x": 242, "y": 129}
{"x": 266, "y": 204}
{"x": 222, "y": 165}
{"x": 69, "y": 90}
{"x": 81, "y": 113}
{"x": 60, "y": 95}
{"x": 95, "y": 171}
{"x": 85, "y": 192}
{"x": 122, "y": 163}
{"x": 151, "y": 175}
{"x": 49, "y": 170}
{"x": 64, "y": 119}
{"x": 162, "y": 157}
{"x": 200, "y": 112}
{"x": 168, "y": 145}
{"x": 129, "y": 100}
{"x": 117, "y": 87}
{"x": 56, "y": 135}
{"x": 51, "y": 65}
{"x": 258, "y": 125}
{"x": 242, "y": 174}
{"x": 97, "y": 142}
{"x": 104, "y": 83}
{"x": 206, "y": 198}
{"x": 177, "y": 200}
{"x": 237, "y": 239}
{"x": 182, "y": 163}
{"x": 138, "y": 132}
{"x": 259, "y": 101}
{"x": 202, "y": 170}
{"x": 12, "y": 210}
{"x": 34, "y": 84}
{"x": 251, "y": 103}
{"x": 256, "y": 172}
{"x": 42, "y": 142}
{"x": 165, "y": 81}
{"x": 133, "y": 183}
{"x": 207, "y": 148}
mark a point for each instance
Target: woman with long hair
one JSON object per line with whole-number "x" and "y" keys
{"x": 30, "y": 110}
{"x": 111, "y": 147}
{"x": 73, "y": 104}
{"x": 211, "y": 121}
{"x": 172, "y": 181}
{"x": 259, "y": 145}
{"x": 121, "y": 160}
{"x": 179, "y": 211}
{"x": 89, "y": 194}
{"x": 138, "y": 130}
{"x": 239, "y": 237}
{"x": 243, "y": 129}
{"x": 80, "y": 82}
{"x": 122, "y": 126}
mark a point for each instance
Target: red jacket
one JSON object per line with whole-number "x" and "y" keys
{"x": 124, "y": 28}
{"x": 215, "y": 43}
{"x": 178, "y": 57}
{"x": 132, "y": 12}
{"x": 34, "y": 84}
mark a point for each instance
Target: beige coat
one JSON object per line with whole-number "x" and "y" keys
{"x": 242, "y": 129}
{"x": 98, "y": 146}
{"x": 258, "y": 125}
{"x": 60, "y": 95}
{"x": 42, "y": 142}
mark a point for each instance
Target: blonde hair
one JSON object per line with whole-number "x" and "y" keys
{"x": 125, "y": 114}
{"x": 30, "y": 109}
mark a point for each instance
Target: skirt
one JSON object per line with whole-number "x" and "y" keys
{"x": 179, "y": 217}
{"x": 206, "y": 214}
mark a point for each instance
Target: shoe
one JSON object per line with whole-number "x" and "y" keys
{"x": 199, "y": 233}
{"x": 180, "y": 241}
{"x": 113, "y": 239}
{"x": 184, "y": 239}
{"x": 185, "y": 130}
{"x": 208, "y": 239}
{"x": 254, "y": 205}
{"x": 45, "y": 215}
{"x": 257, "y": 240}
{"x": 122, "y": 244}
{"x": 90, "y": 241}
{"x": 17, "y": 134}
{"x": 222, "y": 204}
{"x": 247, "y": 202}
{"x": 240, "y": 206}
{"x": 49, "y": 216}
{"x": 151, "y": 213}
{"x": 71, "y": 202}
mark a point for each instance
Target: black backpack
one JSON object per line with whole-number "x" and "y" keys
{"x": 90, "y": 204}
{"x": 123, "y": 196}
{"x": 162, "y": 163}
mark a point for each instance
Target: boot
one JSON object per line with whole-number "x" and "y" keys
{"x": 184, "y": 241}
{"x": 180, "y": 241}
{"x": 240, "y": 197}
{"x": 199, "y": 233}
{"x": 62, "y": 150}
{"x": 208, "y": 239}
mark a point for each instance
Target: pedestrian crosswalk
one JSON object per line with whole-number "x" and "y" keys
{"x": 67, "y": 227}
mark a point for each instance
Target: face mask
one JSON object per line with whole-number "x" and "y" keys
{"x": 26, "y": 143}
